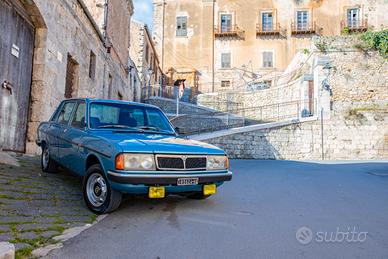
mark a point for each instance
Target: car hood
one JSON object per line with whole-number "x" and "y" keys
{"x": 157, "y": 143}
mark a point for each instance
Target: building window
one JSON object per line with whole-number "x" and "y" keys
{"x": 302, "y": 22}
{"x": 353, "y": 17}
{"x": 181, "y": 26}
{"x": 92, "y": 65}
{"x": 267, "y": 21}
{"x": 226, "y": 22}
{"x": 225, "y": 60}
{"x": 267, "y": 59}
{"x": 72, "y": 74}
{"x": 225, "y": 83}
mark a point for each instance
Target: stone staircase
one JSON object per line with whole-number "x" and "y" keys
{"x": 197, "y": 119}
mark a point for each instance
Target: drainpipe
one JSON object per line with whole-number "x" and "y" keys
{"x": 213, "y": 42}
{"x": 164, "y": 14}
{"x": 105, "y": 26}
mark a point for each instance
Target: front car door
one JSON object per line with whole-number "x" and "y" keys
{"x": 73, "y": 137}
{"x": 61, "y": 127}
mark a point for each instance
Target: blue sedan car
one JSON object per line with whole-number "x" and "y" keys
{"x": 122, "y": 147}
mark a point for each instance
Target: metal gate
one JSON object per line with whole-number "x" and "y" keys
{"x": 16, "y": 53}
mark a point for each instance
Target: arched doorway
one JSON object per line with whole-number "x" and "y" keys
{"x": 19, "y": 22}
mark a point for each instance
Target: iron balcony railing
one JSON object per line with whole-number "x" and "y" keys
{"x": 190, "y": 124}
{"x": 228, "y": 31}
{"x": 303, "y": 28}
{"x": 355, "y": 25}
{"x": 269, "y": 28}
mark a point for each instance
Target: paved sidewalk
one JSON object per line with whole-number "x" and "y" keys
{"x": 36, "y": 206}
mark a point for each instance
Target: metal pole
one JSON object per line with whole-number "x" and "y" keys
{"x": 323, "y": 153}
{"x": 213, "y": 42}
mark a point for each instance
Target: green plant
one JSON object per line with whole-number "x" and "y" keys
{"x": 345, "y": 31}
{"x": 322, "y": 44}
{"x": 306, "y": 51}
{"x": 377, "y": 40}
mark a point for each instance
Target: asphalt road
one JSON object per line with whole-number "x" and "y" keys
{"x": 340, "y": 210}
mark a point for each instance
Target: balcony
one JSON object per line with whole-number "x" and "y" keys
{"x": 358, "y": 25}
{"x": 228, "y": 32}
{"x": 267, "y": 29}
{"x": 303, "y": 28}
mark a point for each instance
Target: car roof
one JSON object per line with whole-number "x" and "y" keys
{"x": 89, "y": 100}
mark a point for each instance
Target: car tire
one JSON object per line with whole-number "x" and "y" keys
{"x": 48, "y": 165}
{"x": 198, "y": 196}
{"x": 98, "y": 194}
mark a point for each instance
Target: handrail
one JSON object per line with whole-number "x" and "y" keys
{"x": 213, "y": 121}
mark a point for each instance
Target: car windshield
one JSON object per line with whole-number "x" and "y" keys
{"x": 128, "y": 117}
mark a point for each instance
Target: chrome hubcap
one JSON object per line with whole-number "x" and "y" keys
{"x": 45, "y": 157}
{"x": 96, "y": 190}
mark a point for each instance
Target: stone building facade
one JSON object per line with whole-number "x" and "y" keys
{"x": 226, "y": 44}
{"x": 80, "y": 49}
{"x": 144, "y": 55}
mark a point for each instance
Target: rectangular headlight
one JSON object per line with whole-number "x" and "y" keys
{"x": 136, "y": 162}
{"x": 217, "y": 163}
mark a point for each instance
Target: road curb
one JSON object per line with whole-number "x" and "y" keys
{"x": 66, "y": 235}
{"x": 7, "y": 250}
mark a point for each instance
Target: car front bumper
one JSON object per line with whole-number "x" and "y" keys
{"x": 168, "y": 178}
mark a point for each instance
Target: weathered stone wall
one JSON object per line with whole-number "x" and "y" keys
{"x": 364, "y": 136}
{"x": 68, "y": 31}
{"x": 118, "y": 28}
{"x": 141, "y": 43}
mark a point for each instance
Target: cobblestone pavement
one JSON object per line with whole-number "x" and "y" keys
{"x": 36, "y": 206}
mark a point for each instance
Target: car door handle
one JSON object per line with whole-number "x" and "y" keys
{"x": 65, "y": 130}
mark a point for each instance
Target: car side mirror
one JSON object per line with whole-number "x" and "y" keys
{"x": 178, "y": 130}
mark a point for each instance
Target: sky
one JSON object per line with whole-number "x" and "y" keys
{"x": 143, "y": 12}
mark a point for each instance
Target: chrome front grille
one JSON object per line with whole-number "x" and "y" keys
{"x": 180, "y": 162}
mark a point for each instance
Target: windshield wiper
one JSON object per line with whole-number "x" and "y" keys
{"x": 155, "y": 129}
{"x": 117, "y": 126}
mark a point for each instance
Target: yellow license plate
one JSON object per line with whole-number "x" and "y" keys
{"x": 209, "y": 189}
{"x": 156, "y": 192}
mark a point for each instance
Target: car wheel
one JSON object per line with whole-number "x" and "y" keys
{"x": 198, "y": 196}
{"x": 98, "y": 195}
{"x": 48, "y": 165}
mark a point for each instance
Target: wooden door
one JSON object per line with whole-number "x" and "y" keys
{"x": 16, "y": 53}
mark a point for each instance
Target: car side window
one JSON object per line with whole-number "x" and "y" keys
{"x": 79, "y": 116}
{"x": 65, "y": 114}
